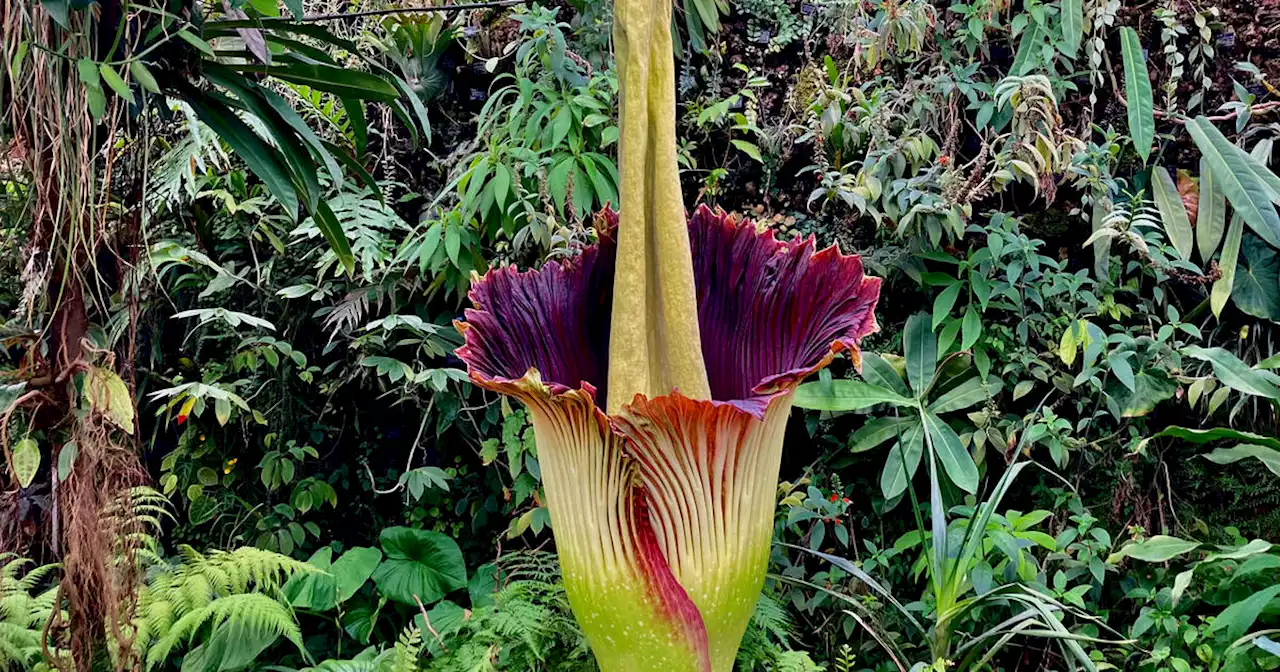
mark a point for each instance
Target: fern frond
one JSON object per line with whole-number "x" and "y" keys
{"x": 407, "y": 651}
{"x": 251, "y": 612}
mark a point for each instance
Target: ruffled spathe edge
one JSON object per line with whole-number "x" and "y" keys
{"x": 770, "y": 312}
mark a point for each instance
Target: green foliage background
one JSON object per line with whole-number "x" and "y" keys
{"x": 1072, "y": 205}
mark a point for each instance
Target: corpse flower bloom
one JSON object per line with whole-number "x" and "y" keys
{"x": 662, "y": 511}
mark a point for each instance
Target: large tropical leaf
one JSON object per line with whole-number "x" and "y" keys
{"x": 1256, "y": 289}
{"x": 420, "y": 565}
{"x": 1159, "y": 548}
{"x": 903, "y": 461}
{"x": 1269, "y": 457}
{"x": 1199, "y": 436}
{"x": 1172, "y": 212}
{"x": 1212, "y": 217}
{"x": 1137, "y": 88}
{"x": 1235, "y": 169}
{"x": 1234, "y": 373}
{"x": 338, "y": 581}
{"x": 956, "y": 461}
{"x": 1224, "y": 285}
{"x": 846, "y": 395}
{"x": 921, "y": 350}
{"x": 1072, "y": 26}
{"x": 341, "y": 82}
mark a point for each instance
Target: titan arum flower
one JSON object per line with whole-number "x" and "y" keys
{"x": 693, "y": 337}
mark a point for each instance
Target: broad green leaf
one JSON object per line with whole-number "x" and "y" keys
{"x": 748, "y": 149}
{"x": 108, "y": 395}
{"x": 222, "y": 410}
{"x": 945, "y": 301}
{"x": 1256, "y": 290}
{"x": 1241, "y": 552}
{"x": 971, "y": 328}
{"x": 67, "y": 459}
{"x": 113, "y": 80}
{"x": 1137, "y": 90}
{"x": 1180, "y": 584}
{"x": 1223, "y": 286}
{"x": 501, "y": 185}
{"x": 143, "y": 76}
{"x": 316, "y": 591}
{"x": 419, "y": 565}
{"x": 896, "y": 476}
{"x": 1172, "y": 212}
{"x": 483, "y": 584}
{"x": 331, "y": 229}
{"x": 354, "y": 568}
{"x": 1069, "y": 344}
{"x": 1234, "y": 373}
{"x": 885, "y": 371}
{"x": 921, "y": 350}
{"x": 1200, "y": 436}
{"x": 1231, "y": 167}
{"x": 1159, "y": 548}
{"x": 341, "y": 82}
{"x": 1072, "y": 26}
{"x": 1240, "y": 616}
{"x": 969, "y": 393}
{"x": 59, "y": 11}
{"x": 1211, "y": 218}
{"x": 876, "y": 432}
{"x": 1123, "y": 372}
{"x": 26, "y": 461}
{"x": 1269, "y": 457}
{"x": 87, "y": 71}
{"x": 955, "y": 459}
{"x": 846, "y": 395}
{"x": 1139, "y": 396}
{"x": 1023, "y": 60}
{"x": 191, "y": 39}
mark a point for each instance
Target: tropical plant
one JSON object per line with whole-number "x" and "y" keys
{"x": 924, "y": 388}
{"x": 957, "y": 556}
{"x": 26, "y": 604}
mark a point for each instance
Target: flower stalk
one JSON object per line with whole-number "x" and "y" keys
{"x": 655, "y": 328}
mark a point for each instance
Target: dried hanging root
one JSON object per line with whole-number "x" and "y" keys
{"x": 100, "y": 535}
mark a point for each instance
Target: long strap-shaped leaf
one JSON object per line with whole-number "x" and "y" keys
{"x": 1223, "y": 286}
{"x": 1172, "y": 212}
{"x": 1137, "y": 88}
{"x": 257, "y": 155}
{"x": 654, "y": 341}
{"x": 1212, "y": 217}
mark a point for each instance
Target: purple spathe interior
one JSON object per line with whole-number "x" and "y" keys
{"x": 770, "y": 313}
